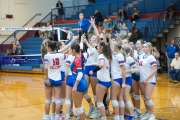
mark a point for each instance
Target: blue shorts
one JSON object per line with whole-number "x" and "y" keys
{"x": 69, "y": 81}
{"x": 82, "y": 86}
{"x": 129, "y": 81}
{"x": 105, "y": 84}
{"x": 88, "y": 69}
{"x": 62, "y": 75}
{"x": 53, "y": 83}
{"x": 153, "y": 83}
{"x": 135, "y": 77}
{"x": 119, "y": 81}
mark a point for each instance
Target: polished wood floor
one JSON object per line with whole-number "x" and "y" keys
{"x": 22, "y": 97}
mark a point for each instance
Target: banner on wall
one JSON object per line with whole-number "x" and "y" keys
{"x": 21, "y": 59}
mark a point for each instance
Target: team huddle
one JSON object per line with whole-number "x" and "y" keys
{"x": 115, "y": 69}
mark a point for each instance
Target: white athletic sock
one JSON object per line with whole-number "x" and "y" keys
{"x": 121, "y": 117}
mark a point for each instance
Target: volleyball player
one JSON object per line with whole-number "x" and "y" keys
{"x": 79, "y": 83}
{"x": 130, "y": 68}
{"x": 69, "y": 84}
{"x": 52, "y": 64}
{"x": 136, "y": 77}
{"x": 148, "y": 69}
{"x": 91, "y": 64}
{"x": 104, "y": 81}
{"x": 118, "y": 83}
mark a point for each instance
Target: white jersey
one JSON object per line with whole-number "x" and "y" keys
{"x": 103, "y": 73}
{"x": 138, "y": 56}
{"x": 145, "y": 66}
{"x": 93, "y": 57}
{"x": 54, "y": 61}
{"x": 69, "y": 62}
{"x": 63, "y": 64}
{"x": 117, "y": 60}
{"x": 129, "y": 64}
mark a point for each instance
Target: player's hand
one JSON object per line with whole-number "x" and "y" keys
{"x": 92, "y": 21}
{"x": 145, "y": 82}
{"x": 91, "y": 72}
{"x": 74, "y": 90}
{"x": 137, "y": 73}
{"x": 123, "y": 85}
{"x": 47, "y": 82}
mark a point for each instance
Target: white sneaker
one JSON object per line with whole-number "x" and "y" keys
{"x": 102, "y": 118}
{"x": 95, "y": 114}
{"x": 137, "y": 114}
{"x": 152, "y": 117}
{"x": 46, "y": 117}
{"x": 142, "y": 115}
{"x": 90, "y": 110}
{"x": 53, "y": 117}
{"x": 146, "y": 117}
{"x": 67, "y": 117}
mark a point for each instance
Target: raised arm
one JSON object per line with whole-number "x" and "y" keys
{"x": 68, "y": 45}
{"x": 95, "y": 30}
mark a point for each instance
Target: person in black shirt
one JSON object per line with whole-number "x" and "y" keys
{"x": 135, "y": 15}
{"x": 170, "y": 12}
{"x": 136, "y": 34}
{"x": 59, "y": 5}
{"x": 98, "y": 17}
{"x": 122, "y": 15}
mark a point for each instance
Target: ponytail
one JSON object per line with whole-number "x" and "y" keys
{"x": 106, "y": 51}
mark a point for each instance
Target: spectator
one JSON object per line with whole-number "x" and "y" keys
{"x": 59, "y": 5}
{"x": 170, "y": 12}
{"x": 21, "y": 52}
{"x": 136, "y": 34}
{"x": 98, "y": 17}
{"x": 135, "y": 15}
{"x": 175, "y": 68}
{"x": 16, "y": 44}
{"x": 112, "y": 24}
{"x": 156, "y": 54}
{"x": 7, "y": 52}
{"x": 170, "y": 52}
{"x": 13, "y": 52}
{"x": 84, "y": 25}
{"x": 47, "y": 33}
{"x": 122, "y": 14}
{"x": 123, "y": 30}
{"x": 106, "y": 24}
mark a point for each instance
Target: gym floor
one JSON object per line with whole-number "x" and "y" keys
{"x": 22, "y": 98}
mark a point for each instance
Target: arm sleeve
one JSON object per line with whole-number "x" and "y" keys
{"x": 46, "y": 60}
{"x": 96, "y": 69}
{"x": 120, "y": 59}
{"x": 131, "y": 62}
{"x": 152, "y": 60}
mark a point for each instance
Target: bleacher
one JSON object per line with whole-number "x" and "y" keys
{"x": 150, "y": 27}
